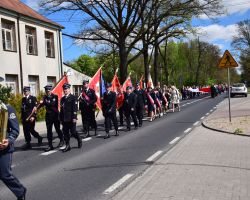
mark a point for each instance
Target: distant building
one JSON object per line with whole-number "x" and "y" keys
{"x": 30, "y": 47}
{"x": 75, "y": 78}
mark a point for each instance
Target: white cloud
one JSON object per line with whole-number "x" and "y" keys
{"x": 216, "y": 32}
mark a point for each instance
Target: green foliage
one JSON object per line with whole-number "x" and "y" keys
{"x": 5, "y": 93}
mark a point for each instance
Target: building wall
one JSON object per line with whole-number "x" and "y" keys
{"x": 32, "y": 65}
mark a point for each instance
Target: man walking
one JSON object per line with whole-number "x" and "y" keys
{"x": 6, "y": 151}
{"x": 50, "y": 101}
{"x": 141, "y": 102}
{"x": 29, "y": 104}
{"x": 130, "y": 101}
{"x": 68, "y": 117}
{"x": 109, "y": 110}
{"x": 87, "y": 106}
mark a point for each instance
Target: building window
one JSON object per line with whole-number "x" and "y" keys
{"x": 34, "y": 85}
{"x": 8, "y": 35}
{"x": 31, "y": 40}
{"x": 51, "y": 80}
{"x": 77, "y": 89}
{"x": 49, "y": 44}
{"x": 11, "y": 80}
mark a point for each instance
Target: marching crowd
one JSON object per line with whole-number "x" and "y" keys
{"x": 132, "y": 104}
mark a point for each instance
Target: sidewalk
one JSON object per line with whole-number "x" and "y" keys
{"x": 205, "y": 165}
{"x": 42, "y": 130}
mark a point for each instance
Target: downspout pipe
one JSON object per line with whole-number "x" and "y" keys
{"x": 20, "y": 52}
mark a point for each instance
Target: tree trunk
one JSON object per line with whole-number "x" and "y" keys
{"x": 123, "y": 57}
{"x": 156, "y": 63}
{"x": 199, "y": 63}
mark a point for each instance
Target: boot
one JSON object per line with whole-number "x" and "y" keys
{"x": 67, "y": 148}
{"x": 61, "y": 143}
{"x": 79, "y": 142}
{"x": 40, "y": 141}
{"x": 116, "y": 133}
{"x": 50, "y": 148}
{"x": 96, "y": 132}
{"x": 22, "y": 197}
{"x": 107, "y": 136}
{"x": 88, "y": 135}
{"x": 26, "y": 146}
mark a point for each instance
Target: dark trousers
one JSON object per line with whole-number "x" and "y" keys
{"x": 120, "y": 110}
{"x": 88, "y": 120}
{"x": 69, "y": 128}
{"x": 110, "y": 117}
{"x": 50, "y": 121}
{"x": 8, "y": 178}
{"x": 139, "y": 113}
{"x": 29, "y": 128}
{"x": 128, "y": 114}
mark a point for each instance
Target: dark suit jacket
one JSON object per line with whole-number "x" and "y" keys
{"x": 109, "y": 102}
{"x": 69, "y": 107}
{"x": 141, "y": 97}
{"x": 130, "y": 101}
{"x": 27, "y": 106}
{"x": 84, "y": 104}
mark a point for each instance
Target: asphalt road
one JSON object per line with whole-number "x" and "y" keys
{"x": 88, "y": 173}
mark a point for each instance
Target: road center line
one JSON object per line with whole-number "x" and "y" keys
{"x": 187, "y": 130}
{"x": 196, "y": 123}
{"x": 174, "y": 140}
{"x": 48, "y": 153}
{"x": 118, "y": 184}
{"x": 87, "y": 139}
{"x": 155, "y": 155}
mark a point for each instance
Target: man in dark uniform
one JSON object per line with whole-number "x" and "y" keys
{"x": 28, "y": 115}
{"x": 130, "y": 100}
{"x": 50, "y": 101}
{"x": 68, "y": 117}
{"x": 141, "y": 102}
{"x": 6, "y": 151}
{"x": 109, "y": 110}
{"x": 87, "y": 106}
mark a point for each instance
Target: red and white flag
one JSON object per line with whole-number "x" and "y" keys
{"x": 127, "y": 83}
{"x": 58, "y": 89}
{"x": 116, "y": 87}
{"x": 97, "y": 84}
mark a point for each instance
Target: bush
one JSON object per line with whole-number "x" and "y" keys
{"x": 5, "y": 93}
{"x": 16, "y": 102}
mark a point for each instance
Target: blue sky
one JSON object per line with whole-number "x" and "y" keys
{"x": 219, "y": 33}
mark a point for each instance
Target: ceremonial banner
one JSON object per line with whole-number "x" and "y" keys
{"x": 205, "y": 89}
{"x": 141, "y": 82}
{"x": 58, "y": 89}
{"x": 97, "y": 84}
{"x": 127, "y": 83}
{"x": 116, "y": 87}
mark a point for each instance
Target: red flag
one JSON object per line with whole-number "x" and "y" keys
{"x": 116, "y": 87}
{"x": 127, "y": 83}
{"x": 58, "y": 90}
{"x": 97, "y": 84}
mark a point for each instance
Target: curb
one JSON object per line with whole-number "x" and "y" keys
{"x": 222, "y": 131}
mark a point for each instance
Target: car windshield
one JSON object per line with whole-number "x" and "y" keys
{"x": 238, "y": 85}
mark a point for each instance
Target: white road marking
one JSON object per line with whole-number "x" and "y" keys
{"x": 118, "y": 184}
{"x": 155, "y": 155}
{"x": 121, "y": 127}
{"x": 174, "y": 140}
{"x": 187, "y": 130}
{"x": 87, "y": 139}
{"x": 215, "y": 107}
{"x": 12, "y": 166}
{"x": 48, "y": 153}
{"x": 211, "y": 110}
{"x": 196, "y": 123}
{"x": 207, "y": 114}
{"x": 62, "y": 147}
{"x": 202, "y": 118}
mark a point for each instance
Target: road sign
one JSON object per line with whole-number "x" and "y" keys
{"x": 227, "y": 61}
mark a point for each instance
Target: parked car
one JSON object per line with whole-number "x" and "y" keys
{"x": 238, "y": 89}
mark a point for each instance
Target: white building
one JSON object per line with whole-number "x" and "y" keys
{"x": 30, "y": 47}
